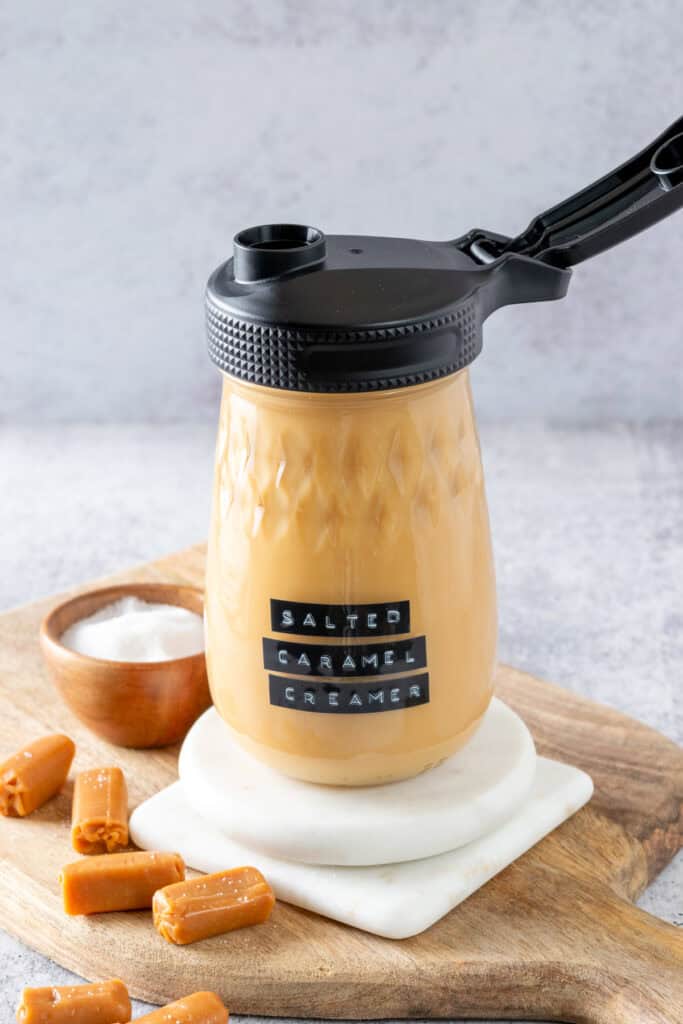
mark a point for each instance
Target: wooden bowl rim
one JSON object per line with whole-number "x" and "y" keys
{"x": 50, "y": 638}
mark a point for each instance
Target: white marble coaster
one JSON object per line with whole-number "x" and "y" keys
{"x": 466, "y": 797}
{"x": 392, "y": 900}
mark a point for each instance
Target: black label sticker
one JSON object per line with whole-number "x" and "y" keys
{"x": 349, "y": 698}
{"x": 303, "y": 619}
{"x": 345, "y": 660}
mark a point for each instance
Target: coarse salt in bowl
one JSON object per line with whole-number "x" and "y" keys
{"x": 134, "y": 630}
{"x": 127, "y": 661}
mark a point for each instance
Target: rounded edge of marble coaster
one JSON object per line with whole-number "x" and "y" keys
{"x": 462, "y": 799}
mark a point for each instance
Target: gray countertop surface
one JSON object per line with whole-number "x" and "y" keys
{"x": 588, "y": 534}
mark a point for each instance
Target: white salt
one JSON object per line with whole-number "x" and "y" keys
{"x": 135, "y": 630}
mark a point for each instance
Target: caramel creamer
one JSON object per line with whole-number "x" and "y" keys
{"x": 350, "y": 602}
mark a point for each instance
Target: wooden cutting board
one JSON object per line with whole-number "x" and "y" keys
{"x": 553, "y": 937}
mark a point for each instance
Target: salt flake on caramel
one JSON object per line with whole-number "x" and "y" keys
{"x": 212, "y": 904}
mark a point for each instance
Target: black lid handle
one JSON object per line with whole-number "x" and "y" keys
{"x": 636, "y": 195}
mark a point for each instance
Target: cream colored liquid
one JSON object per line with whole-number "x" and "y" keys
{"x": 346, "y": 500}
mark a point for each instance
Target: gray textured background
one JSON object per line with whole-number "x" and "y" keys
{"x": 136, "y": 138}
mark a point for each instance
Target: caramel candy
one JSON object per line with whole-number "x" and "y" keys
{"x": 35, "y": 773}
{"x": 200, "y": 1008}
{"x": 99, "y": 822}
{"x": 105, "y": 1002}
{"x": 118, "y": 881}
{"x": 212, "y": 904}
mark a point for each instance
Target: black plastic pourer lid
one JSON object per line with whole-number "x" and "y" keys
{"x": 299, "y": 310}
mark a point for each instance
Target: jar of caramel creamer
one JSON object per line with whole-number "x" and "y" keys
{"x": 350, "y": 599}
{"x": 350, "y": 596}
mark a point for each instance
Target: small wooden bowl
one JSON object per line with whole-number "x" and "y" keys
{"x": 130, "y": 703}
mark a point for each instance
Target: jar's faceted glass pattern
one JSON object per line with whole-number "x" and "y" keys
{"x": 351, "y": 502}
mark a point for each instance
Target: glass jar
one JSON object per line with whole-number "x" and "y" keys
{"x": 350, "y": 593}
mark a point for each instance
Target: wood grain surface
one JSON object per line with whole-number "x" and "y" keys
{"x": 553, "y": 937}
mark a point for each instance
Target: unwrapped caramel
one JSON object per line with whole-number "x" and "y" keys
{"x": 212, "y": 904}
{"x": 200, "y": 1008}
{"x": 35, "y": 773}
{"x": 105, "y": 1002}
{"x": 118, "y": 881}
{"x": 99, "y": 822}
